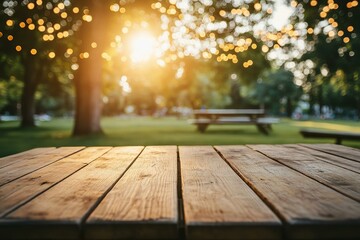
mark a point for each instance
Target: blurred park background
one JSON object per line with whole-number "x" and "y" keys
{"x": 130, "y": 72}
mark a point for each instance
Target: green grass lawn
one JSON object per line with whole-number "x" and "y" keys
{"x": 162, "y": 131}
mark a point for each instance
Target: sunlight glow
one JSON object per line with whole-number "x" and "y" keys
{"x": 142, "y": 47}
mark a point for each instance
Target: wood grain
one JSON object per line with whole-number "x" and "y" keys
{"x": 143, "y": 203}
{"x": 217, "y": 203}
{"x": 310, "y": 209}
{"x": 337, "y": 178}
{"x": 23, "y": 156}
{"x": 338, "y": 150}
{"x": 21, "y": 168}
{"x": 326, "y": 157}
{"x": 231, "y": 192}
{"x": 66, "y": 204}
{"x": 25, "y": 188}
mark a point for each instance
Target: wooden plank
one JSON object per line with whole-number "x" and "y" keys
{"x": 309, "y": 209}
{"x": 143, "y": 204}
{"x": 8, "y": 160}
{"x": 337, "y": 178}
{"x": 217, "y": 203}
{"x": 22, "y": 190}
{"x": 329, "y": 158}
{"x": 59, "y": 212}
{"x": 21, "y": 168}
{"x": 337, "y": 150}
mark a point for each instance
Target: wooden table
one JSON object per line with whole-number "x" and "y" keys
{"x": 189, "y": 192}
{"x": 206, "y": 117}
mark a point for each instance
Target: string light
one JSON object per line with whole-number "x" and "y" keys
{"x": 69, "y": 51}
{"x": 31, "y": 6}
{"x": 61, "y": 6}
{"x": 63, "y": 15}
{"x": 56, "y": 10}
{"x": 31, "y": 26}
{"x": 57, "y": 26}
{"x": 9, "y": 23}
{"x": 115, "y": 7}
{"x": 87, "y": 18}
{"x": 276, "y": 40}
{"x": 76, "y": 10}
{"x": 52, "y": 55}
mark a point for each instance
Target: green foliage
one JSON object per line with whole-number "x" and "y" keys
{"x": 333, "y": 48}
{"x": 277, "y": 92}
{"x": 10, "y": 86}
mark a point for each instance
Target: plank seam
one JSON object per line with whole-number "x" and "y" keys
{"x": 329, "y": 161}
{"x": 98, "y": 201}
{"x": 257, "y": 192}
{"x": 35, "y": 155}
{"x": 14, "y": 208}
{"x": 181, "y": 219}
{"x": 312, "y": 178}
{"x": 61, "y": 158}
{"x": 330, "y": 153}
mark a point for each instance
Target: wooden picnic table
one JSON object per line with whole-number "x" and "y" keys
{"x": 295, "y": 191}
{"x": 257, "y": 117}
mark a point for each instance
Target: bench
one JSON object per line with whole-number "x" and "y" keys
{"x": 339, "y": 136}
{"x": 203, "y": 118}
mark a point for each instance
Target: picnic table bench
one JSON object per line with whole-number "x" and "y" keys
{"x": 338, "y": 136}
{"x": 186, "y": 192}
{"x": 206, "y": 117}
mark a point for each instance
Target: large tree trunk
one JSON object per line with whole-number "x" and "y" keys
{"x": 31, "y": 82}
{"x": 88, "y": 76}
{"x": 27, "y": 106}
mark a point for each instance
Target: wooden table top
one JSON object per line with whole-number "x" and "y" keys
{"x": 297, "y": 191}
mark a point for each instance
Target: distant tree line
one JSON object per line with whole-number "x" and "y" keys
{"x": 69, "y": 58}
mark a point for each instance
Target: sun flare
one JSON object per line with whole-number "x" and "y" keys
{"x": 142, "y": 46}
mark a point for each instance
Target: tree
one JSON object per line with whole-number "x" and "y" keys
{"x": 34, "y": 31}
{"x": 278, "y": 91}
{"x": 88, "y": 76}
{"x": 331, "y": 32}
{"x": 221, "y": 30}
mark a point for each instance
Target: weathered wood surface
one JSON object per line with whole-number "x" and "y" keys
{"x": 69, "y": 202}
{"x": 225, "y": 192}
{"x": 340, "y": 179}
{"x": 23, "y": 156}
{"x": 338, "y": 150}
{"x": 21, "y": 168}
{"x": 304, "y": 204}
{"x": 23, "y": 189}
{"x": 217, "y": 203}
{"x": 148, "y": 205}
{"x": 329, "y": 158}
